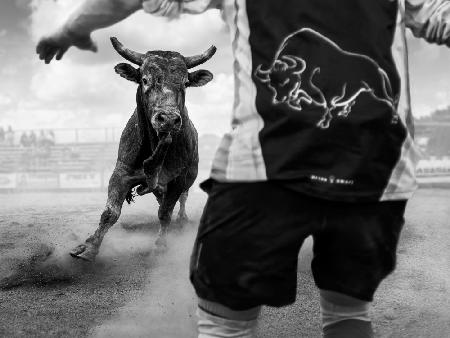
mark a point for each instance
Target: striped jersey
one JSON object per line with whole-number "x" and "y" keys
{"x": 322, "y": 93}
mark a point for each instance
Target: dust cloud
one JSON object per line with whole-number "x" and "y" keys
{"x": 157, "y": 297}
{"x": 37, "y": 260}
{"x": 167, "y": 305}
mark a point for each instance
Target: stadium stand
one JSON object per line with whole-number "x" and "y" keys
{"x": 58, "y": 158}
{"x": 86, "y": 164}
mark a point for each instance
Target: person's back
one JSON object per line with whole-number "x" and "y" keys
{"x": 317, "y": 99}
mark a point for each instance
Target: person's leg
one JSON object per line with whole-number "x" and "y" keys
{"x": 344, "y": 316}
{"x": 245, "y": 254}
{"x": 354, "y": 251}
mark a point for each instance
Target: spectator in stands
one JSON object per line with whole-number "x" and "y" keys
{"x": 33, "y": 139}
{"x": 51, "y": 137}
{"x": 24, "y": 140}
{"x": 43, "y": 149}
{"x": 41, "y": 140}
{"x": 9, "y": 136}
{"x": 2, "y": 135}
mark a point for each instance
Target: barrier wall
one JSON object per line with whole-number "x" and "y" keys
{"x": 8, "y": 181}
{"x": 80, "y": 180}
{"x": 98, "y": 180}
{"x": 53, "y": 181}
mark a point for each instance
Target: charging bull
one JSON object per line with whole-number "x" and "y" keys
{"x": 158, "y": 150}
{"x": 310, "y": 69}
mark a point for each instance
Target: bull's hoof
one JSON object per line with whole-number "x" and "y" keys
{"x": 323, "y": 124}
{"x": 182, "y": 218}
{"x": 161, "y": 244}
{"x": 86, "y": 252}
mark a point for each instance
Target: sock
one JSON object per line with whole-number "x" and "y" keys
{"x": 218, "y": 321}
{"x": 349, "y": 328}
{"x": 344, "y": 316}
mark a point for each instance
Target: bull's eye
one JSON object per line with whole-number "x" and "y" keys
{"x": 159, "y": 80}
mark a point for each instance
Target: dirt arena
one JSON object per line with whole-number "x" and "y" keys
{"x": 132, "y": 292}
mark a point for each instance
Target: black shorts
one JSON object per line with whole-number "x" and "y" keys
{"x": 250, "y": 234}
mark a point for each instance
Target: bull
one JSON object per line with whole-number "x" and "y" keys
{"x": 310, "y": 69}
{"x": 158, "y": 149}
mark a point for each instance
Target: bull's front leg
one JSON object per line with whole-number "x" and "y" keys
{"x": 122, "y": 180}
{"x": 152, "y": 166}
{"x": 346, "y": 109}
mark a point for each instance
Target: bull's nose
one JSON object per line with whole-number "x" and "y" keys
{"x": 166, "y": 120}
{"x": 177, "y": 122}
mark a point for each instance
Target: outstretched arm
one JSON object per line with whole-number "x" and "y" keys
{"x": 173, "y": 8}
{"x": 95, "y": 14}
{"x": 76, "y": 31}
{"x": 429, "y": 19}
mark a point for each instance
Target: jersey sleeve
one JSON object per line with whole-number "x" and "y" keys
{"x": 429, "y": 19}
{"x": 173, "y": 8}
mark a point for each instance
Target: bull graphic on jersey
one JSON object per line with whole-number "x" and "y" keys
{"x": 310, "y": 69}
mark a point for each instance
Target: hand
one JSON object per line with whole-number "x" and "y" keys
{"x": 58, "y": 43}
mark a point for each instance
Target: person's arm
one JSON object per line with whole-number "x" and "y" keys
{"x": 429, "y": 19}
{"x": 76, "y": 31}
{"x": 173, "y": 8}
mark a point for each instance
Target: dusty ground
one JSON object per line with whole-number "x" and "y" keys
{"x": 132, "y": 292}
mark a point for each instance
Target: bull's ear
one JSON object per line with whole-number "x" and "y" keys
{"x": 127, "y": 71}
{"x": 199, "y": 78}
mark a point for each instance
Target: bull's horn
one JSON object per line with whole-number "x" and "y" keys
{"x": 260, "y": 71}
{"x": 132, "y": 56}
{"x": 295, "y": 61}
{"x": 192, "y": 61}
{"x": 265, "y": 73}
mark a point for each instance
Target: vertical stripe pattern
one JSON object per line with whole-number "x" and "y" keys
{"x": 239, "y": 157}
{"x": 402, "y": 182}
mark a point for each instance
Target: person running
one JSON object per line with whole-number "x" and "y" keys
{"x": 321, "y": 144}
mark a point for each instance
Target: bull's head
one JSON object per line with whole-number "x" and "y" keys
{"x": 163, "y": 78}
{"x": 283, "y": 76}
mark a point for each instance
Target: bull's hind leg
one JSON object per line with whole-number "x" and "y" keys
{"x": 174, "y": 190}
{"x": 182, "y": 216}
{"x": 120, "y": 183}
{"x": 324, "y": 122}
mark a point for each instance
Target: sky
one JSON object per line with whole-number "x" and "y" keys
{"x": 83, "y": 91}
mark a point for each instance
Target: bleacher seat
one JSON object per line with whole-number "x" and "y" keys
{"x": 60, "y": 158}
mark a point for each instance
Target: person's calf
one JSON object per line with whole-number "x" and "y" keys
{"x": 344, "y": 316}
{"x": 218, "y": 321}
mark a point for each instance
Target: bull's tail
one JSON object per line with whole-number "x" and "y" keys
{"x": 388, "y": 95}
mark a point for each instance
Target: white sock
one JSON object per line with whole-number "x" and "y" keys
{"x": 210, "y": 326}
{"x": 336, "y": 307}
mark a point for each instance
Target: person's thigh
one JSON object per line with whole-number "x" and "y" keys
{"x": 247, "y": 245}
{"x": 356, "y": 247}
